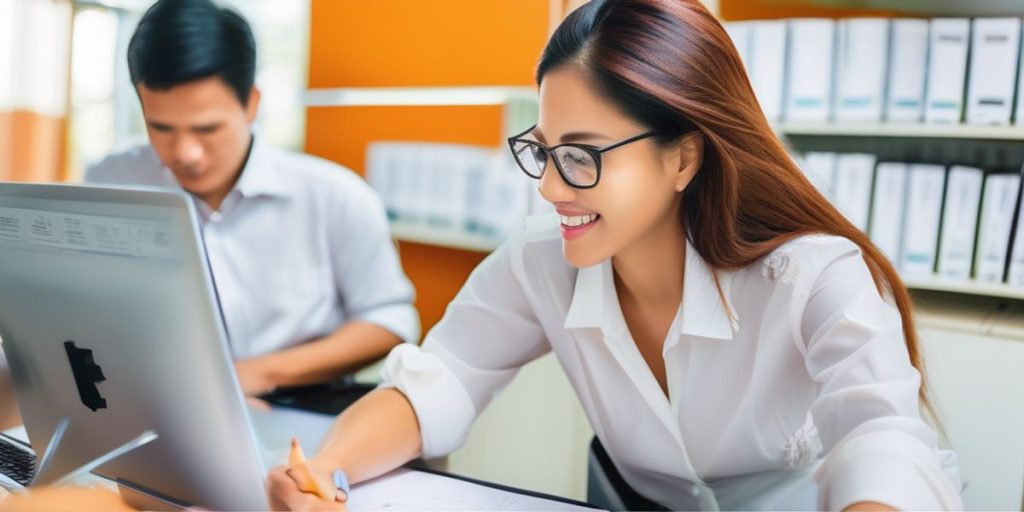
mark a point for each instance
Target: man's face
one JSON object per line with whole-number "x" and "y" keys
{"x": 201, "y": 132}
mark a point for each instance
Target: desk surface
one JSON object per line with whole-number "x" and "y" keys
{"x": 402, "y": 489}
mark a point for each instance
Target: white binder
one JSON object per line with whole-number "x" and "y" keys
{"x": 947, "y": 69}
{"x": 887, "y": 209}
{"x": 995, "y": 46}
{"x": 811, "y": 55}
{"x": 862, "y": 53}
{"x": 854, "y": 175}
{"x": 959, "y": 221}
{"x": 998, "y": 204}
{"x": 924, "y": 210}
{"x": 908, "y": 62}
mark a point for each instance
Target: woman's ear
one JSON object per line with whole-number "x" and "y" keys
{"x": 691, "y": 157}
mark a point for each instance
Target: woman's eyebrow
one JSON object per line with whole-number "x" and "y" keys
{"x": 571, "y": 136}
{"x": 580, "y": 136}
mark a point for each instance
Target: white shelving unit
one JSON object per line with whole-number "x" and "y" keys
{"x": 901, "y": 130}
{"x": 933, "y": 8}
{"x": 422, "y": 234}
{"x": 450, "y": 238}
{"x": 520, "y": 107}
{"x": 417, "y": 96}
{"x": 938, "y": 284}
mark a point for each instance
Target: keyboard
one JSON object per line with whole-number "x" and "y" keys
{"x": 16, "y": 462}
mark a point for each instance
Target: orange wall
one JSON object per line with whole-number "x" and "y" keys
{"x": 359, "y": 43}
{"x": 419, "y": 43}
{"x": 438, "y": 273}
{"x": 31, "y": 146}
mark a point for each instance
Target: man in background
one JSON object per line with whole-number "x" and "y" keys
{"x": 309, "y": 281}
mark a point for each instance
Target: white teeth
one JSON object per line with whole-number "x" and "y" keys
{"x": 577, "y": 220}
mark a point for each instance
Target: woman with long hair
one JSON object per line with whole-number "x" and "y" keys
{"x": 727, "y": 330}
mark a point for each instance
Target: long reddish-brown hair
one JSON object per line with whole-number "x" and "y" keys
{"x": 671, "y": 65}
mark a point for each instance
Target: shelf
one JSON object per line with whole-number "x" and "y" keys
{"x": 938, "y": 284}
{"x": 931, "y": 8}
{"x": 454, "y": 239}
{"x": 897, "y": 130}
{"x": 441, "y": 237}
{"x": 417, "y": 96}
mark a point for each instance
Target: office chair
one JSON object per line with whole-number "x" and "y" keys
{"x": 607, "y": 489}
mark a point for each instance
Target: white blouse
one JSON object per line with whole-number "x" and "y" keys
{"x": 811, "y": 366}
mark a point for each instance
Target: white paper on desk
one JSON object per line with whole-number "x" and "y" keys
{"x": 811, "y": 56}
{"x": 959, "y": 221}
{"x": 887, "y": 209}
{"x": 862, "y": 50}
{"x": 855, "y": 173}
{"x": 995, "y": 44}
{"x": 998, "y": 204}
{"x": 908, "y": 63}
{"x": 947, "y": 69}
{"x": 405, "y": 489}
{"x": 766, "y": 66}
{"x": 274, "y": 430}
{"x": 924, "y": 211}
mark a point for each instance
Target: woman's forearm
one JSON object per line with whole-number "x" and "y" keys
{"x": 376, "y": 434}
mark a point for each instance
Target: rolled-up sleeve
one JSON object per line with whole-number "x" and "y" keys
{"x": 488, "y": 332}
{"x": 368, "y": 272}
{"x": 867, "y": 412}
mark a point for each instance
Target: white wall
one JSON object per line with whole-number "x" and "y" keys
{"x": 977, "y": 383}
{"x": 533, "y": 436}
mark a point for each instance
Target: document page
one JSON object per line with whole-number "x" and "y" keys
{"x": 405, "y": 489}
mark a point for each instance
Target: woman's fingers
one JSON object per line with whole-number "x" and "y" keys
{"x": 285, "y": 486}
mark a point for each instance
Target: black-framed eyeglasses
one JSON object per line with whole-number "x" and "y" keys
{"x": 579, "y": 165}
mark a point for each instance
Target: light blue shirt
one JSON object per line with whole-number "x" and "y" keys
{"x": 299, "y": 247}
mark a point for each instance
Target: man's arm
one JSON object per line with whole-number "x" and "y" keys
{"x": 376, "y": 296}
{"x": 352, "y": 347}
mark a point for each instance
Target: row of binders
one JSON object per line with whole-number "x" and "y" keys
{"x": 958, "y": 222}
{"x": 451, "y": 188}
{"x": 944, "y": 70}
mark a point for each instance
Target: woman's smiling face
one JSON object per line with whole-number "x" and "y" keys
{"x": 640, "y": 182}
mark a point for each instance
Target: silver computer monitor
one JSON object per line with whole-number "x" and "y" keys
{"x": 109, "y": 317}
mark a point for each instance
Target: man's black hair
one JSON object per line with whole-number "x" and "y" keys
{"x": 180, "y": 41}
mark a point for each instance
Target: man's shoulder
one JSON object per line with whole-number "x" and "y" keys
{"x": 315, "y": 174}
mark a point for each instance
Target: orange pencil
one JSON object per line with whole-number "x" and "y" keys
{"x": 297, "y": 460}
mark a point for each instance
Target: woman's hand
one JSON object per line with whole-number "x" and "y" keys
{"x": 868, "y": 506}
{"x": 285, "y": 486}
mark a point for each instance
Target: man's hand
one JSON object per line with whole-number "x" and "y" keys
{"x": 255, "y": 381}
{"x": 254, "y": 377}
